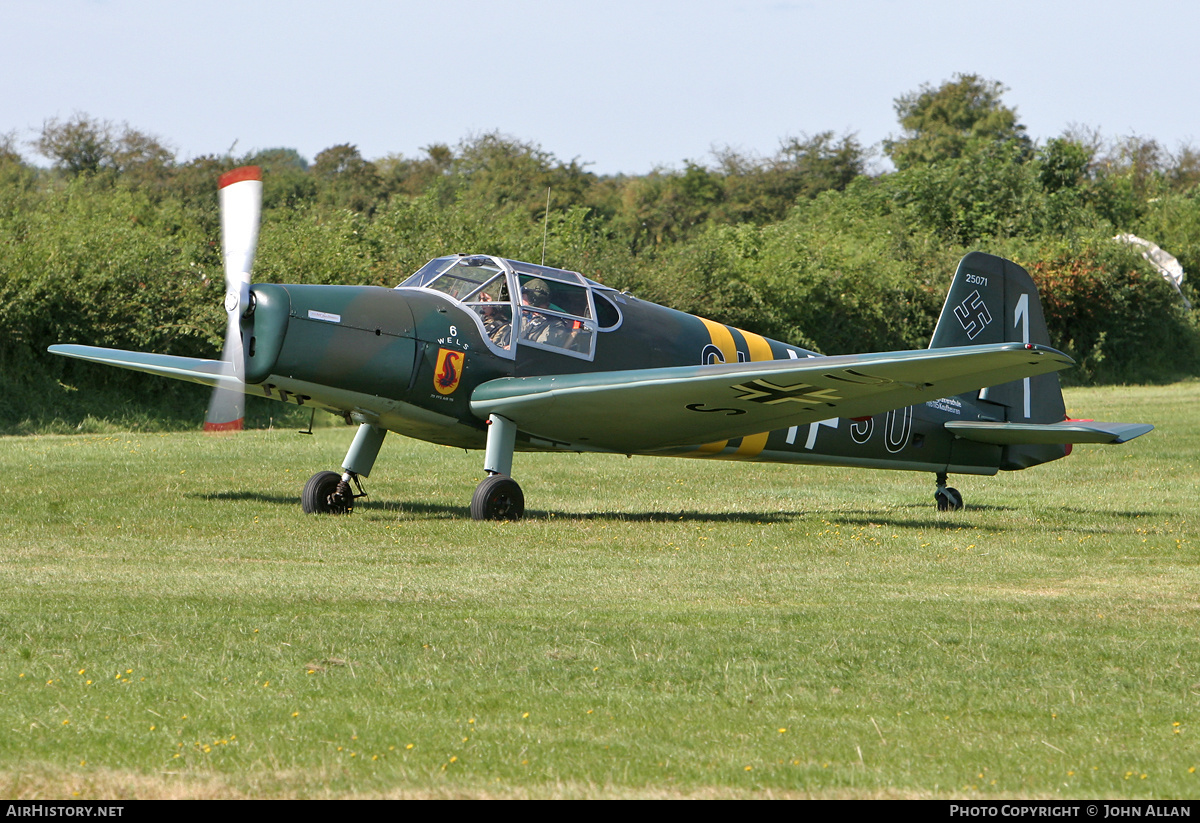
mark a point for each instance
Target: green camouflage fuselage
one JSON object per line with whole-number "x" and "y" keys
{"x": 409, "y": 360}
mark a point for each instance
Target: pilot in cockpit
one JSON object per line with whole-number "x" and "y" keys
{"x": 536, "y": 326}
{"x": 497, "y": 320}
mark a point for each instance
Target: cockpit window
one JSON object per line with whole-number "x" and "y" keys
{"x": 551, "y": 309}
{"x": 490, "y": 301}
{"x": 465, "y": 277}
{"x": 556, "y": 315}
{"x": 428, "y": 272}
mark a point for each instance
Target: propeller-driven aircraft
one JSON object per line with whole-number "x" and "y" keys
{"x": 486, "y": 353}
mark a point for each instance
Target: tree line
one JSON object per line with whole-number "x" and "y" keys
{"x": 117, "y": 242}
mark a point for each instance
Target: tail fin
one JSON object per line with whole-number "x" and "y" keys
{"x": 993, "y": 300}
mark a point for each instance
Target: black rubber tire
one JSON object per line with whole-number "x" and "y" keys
{"x": 317, "y": 491}
{"x": 948, "y": 500}
{"x": 498, "y": 497}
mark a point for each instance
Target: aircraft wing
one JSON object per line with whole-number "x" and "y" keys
{"x": 646, "y": 409}
{"x": 196, "y": 370}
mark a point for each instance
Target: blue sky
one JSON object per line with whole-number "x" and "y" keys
{"x": 622, "y": 86}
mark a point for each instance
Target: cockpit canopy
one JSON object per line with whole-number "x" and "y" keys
{"x": 553, "y": 309}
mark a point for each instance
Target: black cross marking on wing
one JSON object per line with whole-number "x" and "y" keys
{"x": 766, "y": 392}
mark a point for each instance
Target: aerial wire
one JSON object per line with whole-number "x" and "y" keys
{"x": 546, "y": 225}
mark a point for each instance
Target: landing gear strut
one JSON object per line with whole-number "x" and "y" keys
{"x": 330, "y": 492}
{"x": 948, "y": 499}
{"x": 498, "y": 497}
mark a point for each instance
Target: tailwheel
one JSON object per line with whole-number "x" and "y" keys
{"x": 497, "y": 497}
{"x": 328, "y": 493}
{"x": 948, "y": 499}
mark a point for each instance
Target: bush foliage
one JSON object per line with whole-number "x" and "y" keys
{"x": 118, "y": 243}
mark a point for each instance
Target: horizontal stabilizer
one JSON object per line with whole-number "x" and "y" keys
{"x": 1069, "y": 431}
{"x": 193, "y": 369}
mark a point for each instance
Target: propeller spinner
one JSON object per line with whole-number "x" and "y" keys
{"x": 241, "y": 212}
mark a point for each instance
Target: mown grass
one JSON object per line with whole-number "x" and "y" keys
{"x": 173, "y": 625}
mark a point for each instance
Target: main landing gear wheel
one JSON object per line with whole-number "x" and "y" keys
{"x": 498, "y": 497}
{"x": 323, "y": 495}
{"x": 948, "y": 499}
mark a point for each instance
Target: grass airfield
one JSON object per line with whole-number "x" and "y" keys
{"x": 174, "y": 626}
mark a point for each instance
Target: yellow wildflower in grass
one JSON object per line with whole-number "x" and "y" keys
{"x": 783, "y": 731}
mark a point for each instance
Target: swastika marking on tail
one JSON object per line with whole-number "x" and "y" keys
{"x": 973, "y": 314}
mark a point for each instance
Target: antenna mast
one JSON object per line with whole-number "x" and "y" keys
{"x": 546, "y": 225}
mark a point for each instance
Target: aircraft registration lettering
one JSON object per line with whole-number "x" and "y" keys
{"x": 895, "y": 437}
{"x": 722, "y": 349}
{"x": 698, "y": 407}
{"x": 813, "y": 428}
